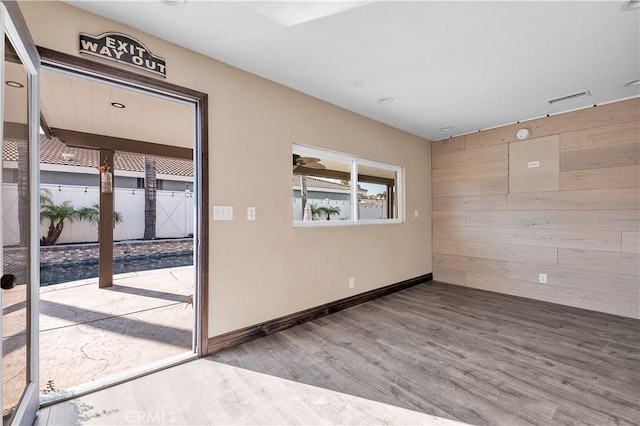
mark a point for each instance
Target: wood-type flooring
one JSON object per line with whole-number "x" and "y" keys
{"x": 433, "y": 354}
{"x": 467, "y": 355}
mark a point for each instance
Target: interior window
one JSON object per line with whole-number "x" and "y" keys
{"x": 377, "y": 198}
{"x": 321, "y": 188}
{"x": 324, "y": 193}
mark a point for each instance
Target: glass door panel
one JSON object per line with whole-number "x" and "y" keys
{"x": 15, "y": 232}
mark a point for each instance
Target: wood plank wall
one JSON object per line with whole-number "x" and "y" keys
{"x": 583, "y": 236}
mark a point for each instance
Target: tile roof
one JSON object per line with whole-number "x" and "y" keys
{"x": 323, "y": 184}
{"x": 10, "y": 151}
{"x": 51, "y": 152}
{"x": 320, "y": 183}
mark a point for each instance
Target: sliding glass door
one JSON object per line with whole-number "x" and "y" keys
{"x": 19, "y": 217}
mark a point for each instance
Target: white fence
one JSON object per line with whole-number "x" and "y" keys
{"x": 174, "y": 213}
{"x": 365, "y": 211}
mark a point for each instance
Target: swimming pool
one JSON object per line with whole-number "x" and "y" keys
{"x": 57, "y": 273}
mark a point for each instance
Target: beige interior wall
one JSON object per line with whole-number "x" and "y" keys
{"x": 584, "y": 236}
{"x": 264, "y": 269}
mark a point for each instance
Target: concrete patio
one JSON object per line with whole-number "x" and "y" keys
{"x": 88, "y": 333}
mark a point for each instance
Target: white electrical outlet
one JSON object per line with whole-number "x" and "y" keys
{"x": 533, "y": 164}
{"x": 251, "y": 213}
{"x": 542, "y": 278}
{"x": 415, "y": 213}
{"x": 352, "y": 282}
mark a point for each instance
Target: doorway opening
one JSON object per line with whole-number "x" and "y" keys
{"x": 146, "y": 314}
{"x": 122, "y": 300}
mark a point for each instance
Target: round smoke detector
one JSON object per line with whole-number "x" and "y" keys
{"x": 523, "y": 134}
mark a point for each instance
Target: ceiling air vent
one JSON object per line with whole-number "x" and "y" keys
{"x": 569, "y": 97}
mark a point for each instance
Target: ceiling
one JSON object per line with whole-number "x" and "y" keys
{"x": 85, "y": 105}
{"x": 450, "y": 67}
{"x": 81, "y": 104}
{"x": 16, "y": 109}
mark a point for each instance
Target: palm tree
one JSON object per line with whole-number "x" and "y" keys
{"x": 303, "y": 193}
{"x": 150, "y": 186}
{"x": 45, "y": 198}
{"x": 327, "y": 210}
{"x": 23, "y": 190}
{"x": 56, "y": 214}
{"x": 92, "y": 215}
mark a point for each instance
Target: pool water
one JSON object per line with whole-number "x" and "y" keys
{"x": 56, "y": 274}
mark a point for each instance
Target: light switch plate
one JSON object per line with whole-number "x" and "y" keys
{"x": 222, "y": 212}
{"x": 251, "y": 213}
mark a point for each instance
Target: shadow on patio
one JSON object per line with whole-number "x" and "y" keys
{"x": 88, "y": 333}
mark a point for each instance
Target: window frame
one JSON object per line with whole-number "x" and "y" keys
{"x": 354, "y": 162}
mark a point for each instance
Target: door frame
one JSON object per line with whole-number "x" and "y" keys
{"x": 15, "y": 28}
{"x": 81, "y": 66}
